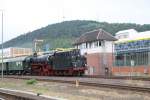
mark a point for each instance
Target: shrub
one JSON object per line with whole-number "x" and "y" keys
{"x": 31, "y": 81}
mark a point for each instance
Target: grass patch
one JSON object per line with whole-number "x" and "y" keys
{"x": 31, "y": 81}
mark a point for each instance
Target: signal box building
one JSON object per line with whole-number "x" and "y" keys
{"x": 97, "y": 46}
{"x": 132, "y": 53}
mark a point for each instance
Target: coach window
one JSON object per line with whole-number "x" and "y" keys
{"x": 17, "y": 63}
{"x": 20, "y": 63}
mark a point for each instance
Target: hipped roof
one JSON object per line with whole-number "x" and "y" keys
{"x": 99, "y": 34}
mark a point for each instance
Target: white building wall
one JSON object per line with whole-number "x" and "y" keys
{"x": 6, "y": 52}
{"x": 94, "y": 47}
{"x": 125, "y": 34}
{"x": 15, "y": 51}
{"x": 109, "y": 48}
{"x": 131, "y": 35}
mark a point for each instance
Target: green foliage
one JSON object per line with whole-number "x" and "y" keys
{"x": 31, "y": 81}
{"x": 38, "y": 94}
{"x": 63, "y": 34}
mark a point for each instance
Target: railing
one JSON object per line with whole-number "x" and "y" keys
{"x": 143, "y": 45}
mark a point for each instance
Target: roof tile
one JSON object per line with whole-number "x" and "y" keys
{"x": 94, "y": 35}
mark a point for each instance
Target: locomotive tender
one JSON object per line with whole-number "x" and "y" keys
{"x": 55, "y": 63}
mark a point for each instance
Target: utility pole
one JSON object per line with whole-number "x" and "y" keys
{"x": 2, "y": 47}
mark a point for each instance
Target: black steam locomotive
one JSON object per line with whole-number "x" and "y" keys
{"x": 55, "y": 63}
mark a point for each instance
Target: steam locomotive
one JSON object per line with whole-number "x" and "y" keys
{"x": 54, "y": 63}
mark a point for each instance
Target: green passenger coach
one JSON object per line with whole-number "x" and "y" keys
{"x": 14, "y": 65}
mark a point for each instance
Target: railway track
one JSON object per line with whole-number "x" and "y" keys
{"x": 112, "y": 83}
{"x": 120, "y": 77}
{"x": 7, "y": 94}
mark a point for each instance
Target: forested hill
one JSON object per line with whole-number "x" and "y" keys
{"x": 64, "y": 33}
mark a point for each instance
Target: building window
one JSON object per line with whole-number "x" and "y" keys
{"x": 90, "y": 44}
{"x": 99, "y": 43}
{"x": 119, "y": 37}
{"x": 83, "y": 45}
{"x": 96, "y": 44}
{"x": 77, "y": 47}
{"x": 86, "y": 45}
{"x": 138, "y": 58}
{"x": 80, "y": 46}
{"x": 125, "y": 36}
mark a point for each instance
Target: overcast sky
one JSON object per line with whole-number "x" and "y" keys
{"x": 22, "y": 16}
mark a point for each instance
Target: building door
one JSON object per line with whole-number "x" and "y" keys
{"x": 91, "y": 71}
{"x": 106, "y": 71}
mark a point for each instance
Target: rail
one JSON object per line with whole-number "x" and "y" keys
{"x": 87, "y": 82}
{"x": 7, "y": 94}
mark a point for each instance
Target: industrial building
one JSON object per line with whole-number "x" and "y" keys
{"x": 132, "y": 53}
{"x": 97, "y": 46}
{"x": 15, "y": 52}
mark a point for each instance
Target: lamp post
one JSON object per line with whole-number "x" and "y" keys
{"x": 2, "y": 47}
